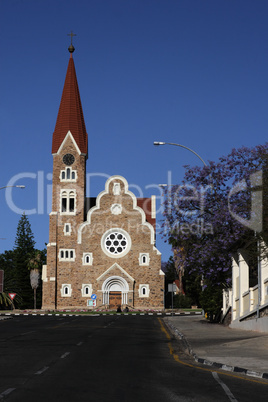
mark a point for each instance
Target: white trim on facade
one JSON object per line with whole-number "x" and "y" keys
{"x": 115, "y": 283}
{"x": 86, "y": 290}
{"x": 144, "y": 290}
{"x": 66, "y": 290}
{"x": 144, "y": 259}
{"x": 115, "y": 265}
{"x": 135, "y": 207}
{"x": 87, "y": 259}
{"x": 69, "y": 134}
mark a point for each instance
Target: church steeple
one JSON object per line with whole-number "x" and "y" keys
{"x": 70, "y": 115}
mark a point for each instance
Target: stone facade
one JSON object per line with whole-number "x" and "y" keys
{"x": 108, "y": 250}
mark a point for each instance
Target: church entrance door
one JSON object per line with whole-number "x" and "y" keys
{"x": 115, "y": 300}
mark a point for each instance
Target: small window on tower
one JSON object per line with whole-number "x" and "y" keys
{"x": 68, "y": 201}
{"x": 64, "y": 202}
{"x": 68, "y": 174}
{"x": 67, "y": 229}
{"x": 71, "y": 201}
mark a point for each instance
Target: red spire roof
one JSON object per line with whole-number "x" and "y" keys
{"x": 70, "y": 116}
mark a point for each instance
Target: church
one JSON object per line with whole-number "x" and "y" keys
{"x": 101, "y": 252}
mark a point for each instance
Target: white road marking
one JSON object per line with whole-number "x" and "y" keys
{"x": 26, "y": 333}
{"x": 224, "y": 386}
{"x": 64, "y": 355}
{"x": 5, "y": 393}
{"x": 80, "y": 343}
{"x": 42, "y": 370}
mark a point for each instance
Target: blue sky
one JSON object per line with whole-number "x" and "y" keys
{"x": 184, "y": 71}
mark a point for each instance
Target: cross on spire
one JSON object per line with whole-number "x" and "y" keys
{"x": 71, "y": 47}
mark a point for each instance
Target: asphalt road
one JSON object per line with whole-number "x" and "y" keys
{"x": 107, "y": 358}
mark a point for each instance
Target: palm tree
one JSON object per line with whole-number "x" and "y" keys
{"x": 34, "y": 265}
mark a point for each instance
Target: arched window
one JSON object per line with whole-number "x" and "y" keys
{"x": 66, "y": 290}
{"x": 144, "y": 290}
{"x": 68, "y": 174}
{"x": 87, "y": 259}
{"x": 144, "y": 259}
{"x": 67, "y": 254}
{"x": 71, "y": 201}
{"x": 86, "y": 290}
{"x": 64, "y": 201}
{"x": 67, "y": 229}
{"x": 67, "y": 201}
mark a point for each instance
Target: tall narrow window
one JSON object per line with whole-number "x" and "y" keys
{"x": 64, "y": 202}
{"x": 71, "y": 201}
{"x": 68, "y": 201}
{"x": 68, "y": 173}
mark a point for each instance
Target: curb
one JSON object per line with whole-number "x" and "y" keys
{"x": 217, "y": 365}
{"x": 9, "y": 315}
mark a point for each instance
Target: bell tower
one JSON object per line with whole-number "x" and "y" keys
{"x": 69, "y": 150}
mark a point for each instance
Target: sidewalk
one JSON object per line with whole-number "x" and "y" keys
{"x": 230, "y": 349}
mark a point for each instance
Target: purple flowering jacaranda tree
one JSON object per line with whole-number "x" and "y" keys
{"x": 213, "y": 208}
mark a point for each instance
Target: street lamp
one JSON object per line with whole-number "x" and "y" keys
{"x": 163, "y": 185}
{"x": 18, "y": 186}
{"x": 179, "y": 145}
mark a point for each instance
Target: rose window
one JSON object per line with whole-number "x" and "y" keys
{"x": 115, "y": 243}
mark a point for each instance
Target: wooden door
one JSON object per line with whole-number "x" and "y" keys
{"x": 115, "y": 300}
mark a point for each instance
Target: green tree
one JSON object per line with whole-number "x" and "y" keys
{"x": 24, "y": 248}
{"x": 7, "y": 264}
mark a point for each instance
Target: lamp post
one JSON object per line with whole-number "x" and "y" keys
{"x": 18, "y": 186}
{"x": 179, "y": 145}
{"x": 157, "y": 143}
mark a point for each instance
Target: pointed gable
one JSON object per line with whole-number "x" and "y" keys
{"x": 70, "y": 115}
